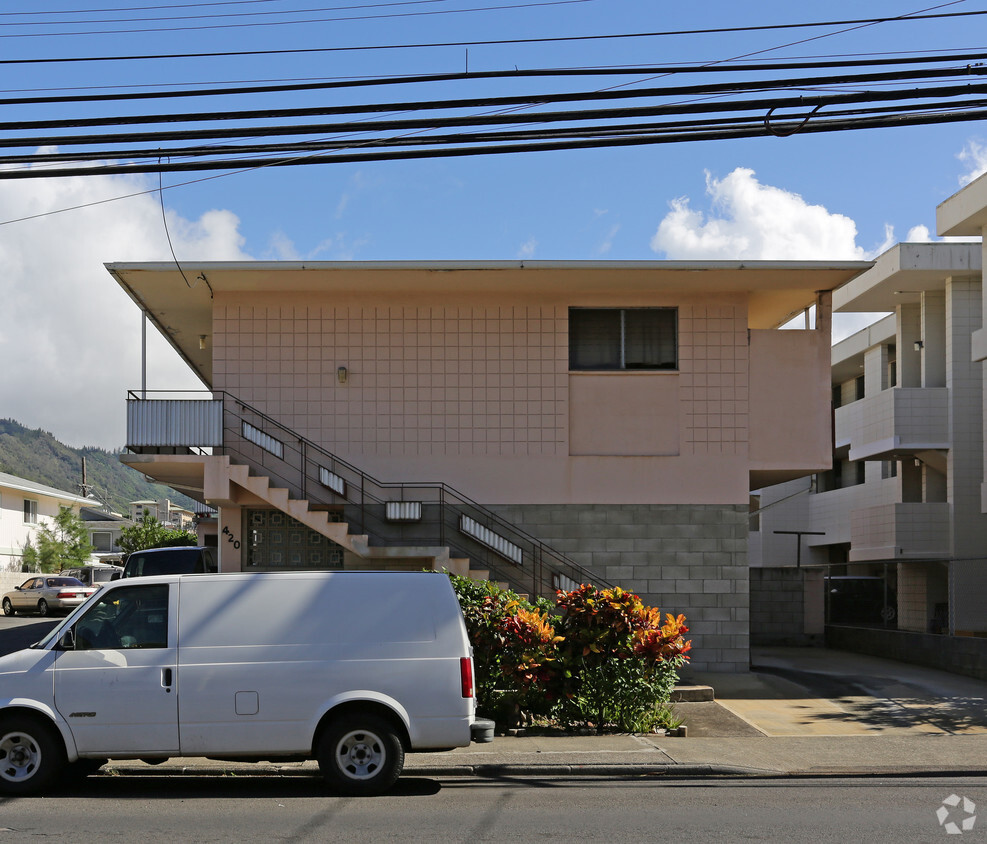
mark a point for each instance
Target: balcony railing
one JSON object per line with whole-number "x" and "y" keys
{"x": 429, "y": 514}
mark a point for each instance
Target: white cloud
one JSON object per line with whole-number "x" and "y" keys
{"x": 749, "y": 220}
{"x": 759, "y": 222}
{"x": 974, "y": 155}
{"x": 338, "y": 247}
{"x": 607, "y": 244}
{"x": 918, "y": 234}
{"x": 528, "y": 248}
{"x": 282, "y": 247}
{"x": 71, "y": 338}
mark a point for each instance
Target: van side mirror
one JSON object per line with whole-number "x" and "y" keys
{"x": 67, "y": 642}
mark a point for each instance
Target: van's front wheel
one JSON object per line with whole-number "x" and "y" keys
{"x": 31, "y": 755}
{"x": 360, "y": 755}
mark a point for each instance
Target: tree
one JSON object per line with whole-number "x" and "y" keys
{"x": 64, "y": 543}
{"x": 150, "y": 533}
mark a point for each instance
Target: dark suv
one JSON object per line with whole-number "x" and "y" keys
{"x": 181, "y": 560}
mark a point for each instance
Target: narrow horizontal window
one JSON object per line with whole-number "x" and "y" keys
{"x": 623, "y": 338}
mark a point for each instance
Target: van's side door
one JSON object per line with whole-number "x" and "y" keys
{"x": 117, "y": 687}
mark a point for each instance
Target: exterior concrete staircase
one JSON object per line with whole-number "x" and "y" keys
{"x": 388, "y": 557}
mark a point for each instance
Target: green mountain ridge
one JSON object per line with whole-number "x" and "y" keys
{"x": 36, "y": 455}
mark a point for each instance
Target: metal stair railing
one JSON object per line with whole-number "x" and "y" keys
{"x": 427, "y": 514}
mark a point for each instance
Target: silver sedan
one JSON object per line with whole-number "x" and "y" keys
{"x": 46, "y": 593}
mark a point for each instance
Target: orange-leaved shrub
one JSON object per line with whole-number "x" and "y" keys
{"x": 597, "y": 657}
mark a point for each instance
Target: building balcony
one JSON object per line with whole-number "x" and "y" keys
{"x": 900, "y": 531}
{"x": 899, "y": 422}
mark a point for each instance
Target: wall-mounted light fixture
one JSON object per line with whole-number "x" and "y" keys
{"x": 202, "y": 341}
{"x": 919, "y": 345}
{"x": 341, "y": 374}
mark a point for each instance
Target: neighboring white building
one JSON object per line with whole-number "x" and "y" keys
{"x": 903, "y": 503}
{"x": 24, "y": 506}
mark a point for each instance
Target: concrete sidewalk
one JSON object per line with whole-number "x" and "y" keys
{"x": 799, "y": 712}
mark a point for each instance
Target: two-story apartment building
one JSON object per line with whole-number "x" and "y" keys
{"x": 546, "y": 423}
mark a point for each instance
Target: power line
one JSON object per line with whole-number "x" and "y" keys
{"x": 970, "y": 58}
{"x": 537, "y": 98}
{"x": 868, "y": 116}
{"x": 491, "y": 42}
{"x": 67, "y": 22}
{"x": 267, "y": 24}
{"x": 145, "y": 8}
{"x": 883, "y": 121}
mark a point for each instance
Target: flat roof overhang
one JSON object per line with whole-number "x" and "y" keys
{"x": 902, "y": 274}
{"x": 964, "y": 214}
{"x": 179, "y": 301}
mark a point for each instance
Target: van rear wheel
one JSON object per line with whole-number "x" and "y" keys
{"x": 32, "y": 755}
{"x": 360, "y": 755}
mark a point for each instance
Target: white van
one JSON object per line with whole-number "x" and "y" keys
{"x": 353, "y": 669}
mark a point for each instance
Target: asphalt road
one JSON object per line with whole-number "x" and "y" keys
{"x": 297, "y": 809}
{"x": 19, "y": 631}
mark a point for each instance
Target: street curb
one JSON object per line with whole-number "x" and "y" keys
{"x": 508, "y": 771}
{"x": 485, "y": 771}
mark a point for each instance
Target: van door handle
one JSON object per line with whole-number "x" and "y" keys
{"x": 166, "y": 679}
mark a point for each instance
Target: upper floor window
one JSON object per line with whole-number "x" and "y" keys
{"x": 102, "y": 540}
{"x": 623, "y": 338}
{"x": 30, "y": 511}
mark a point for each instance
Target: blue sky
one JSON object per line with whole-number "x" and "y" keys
{"x": 836, "y": 196}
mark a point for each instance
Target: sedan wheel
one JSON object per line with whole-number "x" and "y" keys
{"x": 8, "y": 608}
{"x": 42, "y": 607}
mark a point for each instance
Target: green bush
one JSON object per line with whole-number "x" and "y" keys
{"x": 595, "y": 657}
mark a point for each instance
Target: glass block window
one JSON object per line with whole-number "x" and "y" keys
{"x": 278, "y": 542}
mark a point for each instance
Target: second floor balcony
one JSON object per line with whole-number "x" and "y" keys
{"x": 900, "y": 531}
{"x": 895, "y": 423}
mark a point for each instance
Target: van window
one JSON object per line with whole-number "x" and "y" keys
{"x": 134, "y": 617}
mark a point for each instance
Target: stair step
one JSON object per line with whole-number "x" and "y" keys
{"x": 459, "y": 566}
{"x": 316, "y": 517}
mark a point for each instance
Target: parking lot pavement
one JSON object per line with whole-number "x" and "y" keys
{"x": 822, "y": 692}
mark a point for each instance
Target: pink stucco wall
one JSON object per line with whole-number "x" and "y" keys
{"x": 437, "y": 390}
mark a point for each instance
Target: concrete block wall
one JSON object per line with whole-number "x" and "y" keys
{"x": 959, "y": 654}
{"x": 778, "y": 608}
{"x": 680, "y": 558}
{"x": 10, "y": 579}
{"x": 912, "y": 599}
